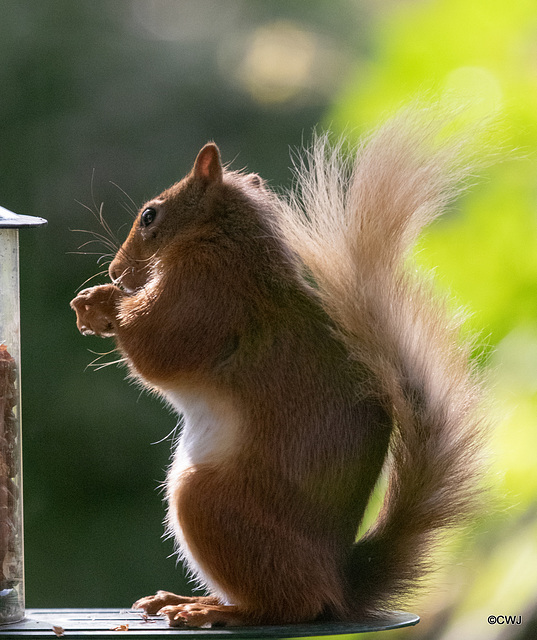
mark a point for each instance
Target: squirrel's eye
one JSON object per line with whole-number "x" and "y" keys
{"x": 147, "y": 217}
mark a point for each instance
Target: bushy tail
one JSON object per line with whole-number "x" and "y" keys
{"x": 354, "y": 226}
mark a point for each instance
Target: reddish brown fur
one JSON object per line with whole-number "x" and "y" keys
{"x": 293, "y": 427}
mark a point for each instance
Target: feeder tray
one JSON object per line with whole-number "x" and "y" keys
{"x": 112, "y": 623}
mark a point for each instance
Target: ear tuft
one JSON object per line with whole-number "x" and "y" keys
{"x": 208, "y": 165}
{"x": 255, "y": 180}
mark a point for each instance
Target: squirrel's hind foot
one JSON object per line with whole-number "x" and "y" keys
{"x": 201, "y": 615}
{"x": 153, "y": 604}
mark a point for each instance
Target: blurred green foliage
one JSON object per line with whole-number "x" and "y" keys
{"x": 484, "y": 252}
{"x": 126, "y": 93}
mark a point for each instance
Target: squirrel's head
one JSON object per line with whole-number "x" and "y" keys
{"x": 162, "y": 218}
{"x": 180, "y": 211}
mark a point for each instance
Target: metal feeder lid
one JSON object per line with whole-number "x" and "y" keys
{"x": 10, "y": 220}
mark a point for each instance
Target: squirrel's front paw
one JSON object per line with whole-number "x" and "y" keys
{"x": 96, "y": 310}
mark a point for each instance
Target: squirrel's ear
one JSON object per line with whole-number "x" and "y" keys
{"x": 208, "y": 165}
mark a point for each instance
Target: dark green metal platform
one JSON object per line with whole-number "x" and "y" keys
{"x": 102, "y": 623}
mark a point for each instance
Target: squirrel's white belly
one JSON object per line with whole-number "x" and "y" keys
{"x": 209, "y": 428}
{"x": 208, "y": 435}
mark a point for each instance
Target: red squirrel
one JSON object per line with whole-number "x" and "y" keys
{"x": 305, "y": 352}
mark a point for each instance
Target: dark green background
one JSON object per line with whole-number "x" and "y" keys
{"x": 88, "y": 95}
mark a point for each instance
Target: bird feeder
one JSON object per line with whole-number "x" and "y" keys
{"x": 11, "y": 529}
